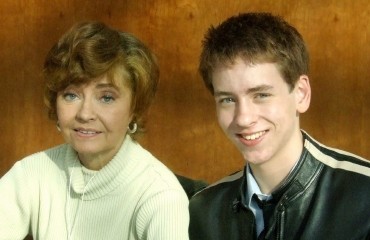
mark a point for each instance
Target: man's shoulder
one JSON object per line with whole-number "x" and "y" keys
{"x": 337, "y": 159}
{"x": 230, "y": 183}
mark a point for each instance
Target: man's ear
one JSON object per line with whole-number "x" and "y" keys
{"x": 303, "y": 93}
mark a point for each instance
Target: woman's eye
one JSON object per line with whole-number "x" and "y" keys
{"x": 69, "y": 96}
{"x": 107, "y": 99}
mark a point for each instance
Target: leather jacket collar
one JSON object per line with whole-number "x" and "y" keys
{"x": 297, "y": 180}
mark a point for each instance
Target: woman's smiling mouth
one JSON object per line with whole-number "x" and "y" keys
{"x": 87, "y": 132}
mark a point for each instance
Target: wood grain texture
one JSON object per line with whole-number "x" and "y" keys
{"x": 182, "y": 127}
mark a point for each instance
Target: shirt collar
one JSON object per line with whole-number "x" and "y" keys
{"x": 253, "y": 188}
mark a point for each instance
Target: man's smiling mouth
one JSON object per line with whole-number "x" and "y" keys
{"x": 253, "y": 136}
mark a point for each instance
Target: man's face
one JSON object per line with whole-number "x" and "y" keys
{"x": 258, "y": 112}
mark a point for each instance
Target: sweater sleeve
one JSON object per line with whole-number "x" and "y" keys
{"x": 15, "y": 207}
{"x": 164, "y": 216}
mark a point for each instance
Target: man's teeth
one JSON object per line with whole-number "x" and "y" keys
{"x": 253, "y": 136}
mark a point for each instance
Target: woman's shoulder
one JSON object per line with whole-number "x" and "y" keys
{"x": 156, "y": 170}
{"x": 44, "y": 158}
{"x": 51, "y": 153}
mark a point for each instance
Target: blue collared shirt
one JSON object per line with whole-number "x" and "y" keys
{"x": 253, "y": 188}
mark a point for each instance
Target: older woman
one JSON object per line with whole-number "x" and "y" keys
{"x": 101, "y": 184}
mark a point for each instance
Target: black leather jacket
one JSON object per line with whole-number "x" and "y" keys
{"x": 325, "y": 197}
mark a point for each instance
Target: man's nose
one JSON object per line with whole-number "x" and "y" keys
{"x": 245, "y": 114}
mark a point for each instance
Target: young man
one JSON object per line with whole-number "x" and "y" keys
{"x": 292, "y": 186}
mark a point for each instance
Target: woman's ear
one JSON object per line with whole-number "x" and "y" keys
{"x": 303, "y": 93}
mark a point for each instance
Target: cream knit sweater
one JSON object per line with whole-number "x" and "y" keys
{"x": 51, "y": 196}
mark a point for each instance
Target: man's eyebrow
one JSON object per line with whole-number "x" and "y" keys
{"x": 259, "y": 88}
{"x": 221, "y": 93}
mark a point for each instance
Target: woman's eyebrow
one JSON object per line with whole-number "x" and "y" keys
{"x": 105, "y": 85}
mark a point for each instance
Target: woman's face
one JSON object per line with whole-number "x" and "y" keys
{"x": 93, "y": 119}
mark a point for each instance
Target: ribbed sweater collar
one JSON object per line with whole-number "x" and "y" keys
{"x": 108, "y": 178}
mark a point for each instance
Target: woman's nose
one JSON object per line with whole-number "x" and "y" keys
{"x": 86, "y": 111}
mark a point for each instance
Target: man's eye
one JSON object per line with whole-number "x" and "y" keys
{"x": 226, "y": 100}
{"x": 263, "y": 95}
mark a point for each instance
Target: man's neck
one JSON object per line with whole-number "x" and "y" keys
{"x": 269, "y": 175}
{"x": 269, "y": 179}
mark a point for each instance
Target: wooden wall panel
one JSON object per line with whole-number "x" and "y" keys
{"x": 182, "y": 128}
